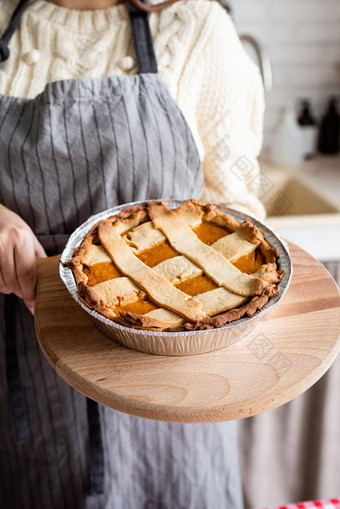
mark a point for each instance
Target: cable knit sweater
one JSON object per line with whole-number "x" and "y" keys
{"x": 200, "y": 59}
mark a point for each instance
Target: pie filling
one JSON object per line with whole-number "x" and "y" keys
{"x": 101, "y": 272}
{"x": 209, "y": 232}
{"x": 250, "y": 263}
{"x": 139, "y": 307}
{"x": 157, "y": 254}
{"x": 196, "y": 285}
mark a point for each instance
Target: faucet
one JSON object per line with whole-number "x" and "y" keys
{"x": 263, "y": 59}
{"x": 261, "y": 52}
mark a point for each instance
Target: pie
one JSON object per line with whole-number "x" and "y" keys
{"x": 190, "y": 268}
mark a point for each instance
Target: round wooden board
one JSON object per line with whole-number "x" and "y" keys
{"x": 277, "y": 358}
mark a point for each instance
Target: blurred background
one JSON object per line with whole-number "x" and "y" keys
{"x": 297, "y": 47}
{"x": 291, "y": 454}
{"x": 302, "y": 39}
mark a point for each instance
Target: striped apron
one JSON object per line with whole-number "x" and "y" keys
{"x": 82, "y": 146}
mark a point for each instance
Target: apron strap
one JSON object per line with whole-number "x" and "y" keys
{"x": 142, "y": 40}
{"x": 16, "y": 397}
{"x": 140, "y": 28}
{"x": 96, "y": 449}
{"x": 14, "y": 22}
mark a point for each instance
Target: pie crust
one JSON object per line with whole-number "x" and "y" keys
{"x": 190, "y": 268}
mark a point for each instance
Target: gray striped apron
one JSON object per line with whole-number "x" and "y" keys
{"x": 81, "y": 146}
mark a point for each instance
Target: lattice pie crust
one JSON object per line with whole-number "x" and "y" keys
{"x": 191, "y": 268}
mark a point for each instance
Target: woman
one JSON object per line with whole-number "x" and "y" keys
{"x": 87, "y": 123}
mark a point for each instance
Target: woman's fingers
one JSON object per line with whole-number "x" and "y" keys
{"x": 26, "y": 270}
{"x": 19, "y": 249}
{"x": 39, "y": 250}
{"x": 18, "y": 265}
{"x": 8, "y": 271}
{"x": 3, "y": 286}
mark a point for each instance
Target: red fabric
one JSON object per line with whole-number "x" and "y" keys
{"x": 332, "y": 503}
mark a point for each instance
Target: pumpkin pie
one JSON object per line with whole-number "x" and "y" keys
{"x": 190, "y": 268}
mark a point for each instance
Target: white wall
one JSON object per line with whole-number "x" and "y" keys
{"x": 303, "y": 41}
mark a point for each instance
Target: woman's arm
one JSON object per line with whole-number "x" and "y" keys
{"x": 19, "y": 248}
{"x": 230, "y": 110}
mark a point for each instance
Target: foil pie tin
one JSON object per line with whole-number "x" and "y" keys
{"x": 174, "y": 343}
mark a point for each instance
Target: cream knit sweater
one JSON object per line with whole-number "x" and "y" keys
{"x": 200, "y": 59}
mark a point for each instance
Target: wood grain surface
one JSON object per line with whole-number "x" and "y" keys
{"x": 276, "y": 359}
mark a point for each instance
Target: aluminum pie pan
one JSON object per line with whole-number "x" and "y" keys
{"x": 175, "y": 343}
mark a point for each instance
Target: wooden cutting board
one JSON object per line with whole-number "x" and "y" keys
{"x": 275, "y": 361}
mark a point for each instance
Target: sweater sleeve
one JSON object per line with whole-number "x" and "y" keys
{"x": 230, "y": 118}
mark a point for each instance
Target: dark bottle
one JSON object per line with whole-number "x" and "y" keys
{"x": 330, "y": 130}
{"x": 306, "y": 117}
{"x": 308, "y": 129}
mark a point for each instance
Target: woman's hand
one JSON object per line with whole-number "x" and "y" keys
{"x": 19, "y": 248}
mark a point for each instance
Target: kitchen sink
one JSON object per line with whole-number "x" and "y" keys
{"x": 302, "y": 213}
{"x": 291, "y": 195}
